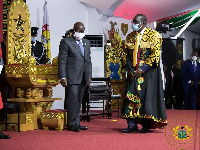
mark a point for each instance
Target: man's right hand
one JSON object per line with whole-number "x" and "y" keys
{"x": 63, "y": 82}
{"x": 130, "y": 74}
{"x": 192, "y": 82}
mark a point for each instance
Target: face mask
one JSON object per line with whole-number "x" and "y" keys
{"x": 33, "y": 39}
{"x": 79, "y": 35}
{"x": 194, "y": 58}
{"x": 136, "y": 27}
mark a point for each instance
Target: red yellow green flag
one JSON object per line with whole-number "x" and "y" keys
{"x": 45, "y": 39}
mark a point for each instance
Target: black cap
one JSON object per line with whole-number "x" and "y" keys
{"x": 34, "y": 30}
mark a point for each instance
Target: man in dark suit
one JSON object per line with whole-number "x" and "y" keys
{"x": 74, "y": 72}
{"x": 168, "y": 85}
{"x": 190, "y": 75}
{"x": 177, "y": 88}
{"x": 38, "y": 50}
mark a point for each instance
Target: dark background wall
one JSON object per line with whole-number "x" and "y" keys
{"x": 172, "y": 51}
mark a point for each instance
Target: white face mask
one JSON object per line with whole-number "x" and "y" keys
{"x": 79, "y": 35}
{"x": 33, "y": 39}
{"x": 135, "y": 27}
{"x": 194, "y": 58}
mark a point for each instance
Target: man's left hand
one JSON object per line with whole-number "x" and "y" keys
{"x": 89, "y": 81}
{"x": 137, "y": 73}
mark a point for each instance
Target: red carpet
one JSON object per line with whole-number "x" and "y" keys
{"x": 104, "y": 134}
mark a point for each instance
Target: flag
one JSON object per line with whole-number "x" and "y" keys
{"x": 46, "y": 32}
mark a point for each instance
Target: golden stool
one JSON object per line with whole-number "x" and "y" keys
{"x": 54, "y": 119}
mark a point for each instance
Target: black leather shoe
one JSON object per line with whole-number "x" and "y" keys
{"x": 144, "y": 130}
{"x": 3, "y": 136}
{"x": 74, "y": 128}
{"x": 130, "y": 129}
{"x": 83, "y": 127}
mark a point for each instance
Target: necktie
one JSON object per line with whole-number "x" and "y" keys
{"x": 135, "y": 50}
{"x": 32, "y": 46}
{"x": 32, "y": 50}
{"x": 194, "y": 67}
{"x": 81, "y": 47}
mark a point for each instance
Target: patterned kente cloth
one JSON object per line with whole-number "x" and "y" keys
{"x": 145, "y": 96}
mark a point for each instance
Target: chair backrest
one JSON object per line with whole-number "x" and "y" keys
{"x": 98, "y": 85}
{"x": 106, "y": 79}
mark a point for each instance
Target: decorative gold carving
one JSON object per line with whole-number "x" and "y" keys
{"x": 20, "y": 23}
{"x": 31, "y": 107}
{"x": 19, "y": 43}
{"x": 124, "y": 28}
{"x": 34, "y": 93}
{"x": 33, "y": 78}
{"x": 32, "y": 61}
{"x": 47, "y": 69}
{"x": 47, "y": 106}
{"x": 16, "y": 69}
{"x": 50, "y": 115}
{"x": 55, "y": 61}
{"x": 180, "y": 48}
{"x": 19, "y": 32}
{"x": 29, "y": 119}
{"x": 48, "y": 92}
{"x": 28, "y": 93}
{"x": 31, "y": 69}
{"x": 20, "y": 92}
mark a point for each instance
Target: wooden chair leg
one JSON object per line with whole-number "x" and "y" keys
{"x": 109, "y": 108}
{"x": 118, "y": 108}
{"x": 88, "y": 112}
{"x": 18, "y": 119}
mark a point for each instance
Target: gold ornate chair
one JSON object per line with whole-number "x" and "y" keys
{"x": 31, "y": 84}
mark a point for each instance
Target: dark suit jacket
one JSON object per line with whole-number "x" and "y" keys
{"x": 187, "y": 73}
{"x": 72, "y": 65}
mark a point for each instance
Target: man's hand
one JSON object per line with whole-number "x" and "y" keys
{"x": 137, "y": 73}
{"x": 130, "y": 74}
{"x": 89, "y": 81}
{"x": 192, "y": 82}
{"x": 63, "y": 82}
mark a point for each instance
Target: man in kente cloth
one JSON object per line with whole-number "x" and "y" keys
{"x": 144, "y": 101}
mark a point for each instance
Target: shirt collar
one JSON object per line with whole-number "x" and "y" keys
{"x": 34, "y": 43}
{"x": 78, "y": 41}
{"x": 194, "y": 62}
{"x": 142, "y": 32}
